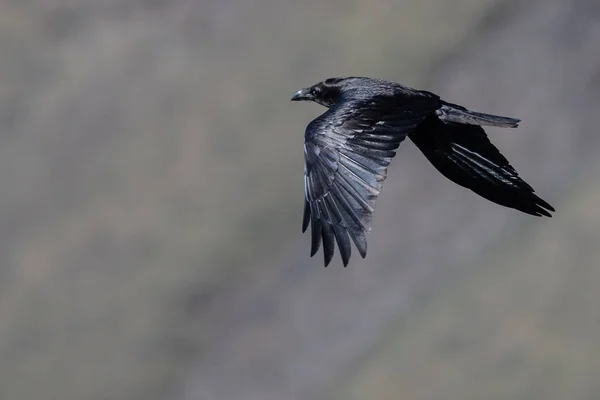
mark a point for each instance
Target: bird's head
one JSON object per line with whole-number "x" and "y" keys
{"x": 326, "y": 93}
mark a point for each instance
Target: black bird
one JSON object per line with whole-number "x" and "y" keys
{"x": 348, "y": 148}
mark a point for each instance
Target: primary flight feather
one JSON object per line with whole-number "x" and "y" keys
{"x": 348, "y": 149}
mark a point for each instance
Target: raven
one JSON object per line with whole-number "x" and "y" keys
{"x": 348, "y": 149}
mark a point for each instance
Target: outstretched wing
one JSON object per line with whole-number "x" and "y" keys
{"x": 464, "y": 154}
{"x": 347, "y": 151}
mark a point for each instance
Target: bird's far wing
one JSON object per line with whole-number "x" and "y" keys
{"x": 465, "y": 155}
{"x": 347, "y": 151}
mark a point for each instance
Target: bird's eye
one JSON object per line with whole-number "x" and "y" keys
{"x": 316, "y": 91}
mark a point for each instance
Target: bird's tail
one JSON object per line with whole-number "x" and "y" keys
{"x": 449, "y": 112}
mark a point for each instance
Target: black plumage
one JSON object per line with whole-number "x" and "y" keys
{"x": 348, "y": 149}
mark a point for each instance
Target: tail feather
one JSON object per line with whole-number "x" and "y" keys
{"x": 449, "y": 112}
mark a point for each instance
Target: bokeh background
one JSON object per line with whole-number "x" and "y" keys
{"x": 151, "y": 200}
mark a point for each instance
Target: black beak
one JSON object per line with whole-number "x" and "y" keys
{"x": 302, "y": 94}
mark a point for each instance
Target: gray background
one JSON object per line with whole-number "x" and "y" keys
{"x": 151, "y": 181}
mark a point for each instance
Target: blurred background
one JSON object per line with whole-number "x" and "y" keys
{"x": 151, "y": 201}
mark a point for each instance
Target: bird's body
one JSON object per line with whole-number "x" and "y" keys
{"x": 348, "y": 149}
